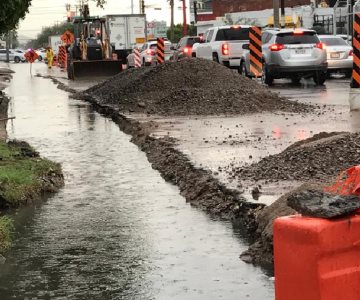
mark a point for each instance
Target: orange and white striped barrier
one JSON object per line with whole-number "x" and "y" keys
{"x": 160, "y": 51}
{"x": 255, "y": 51}
{"x": 62, "y": 57}
{"x": 137, "y": 58}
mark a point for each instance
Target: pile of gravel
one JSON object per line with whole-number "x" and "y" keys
{"x": 188, "y": 87}
{"x": 319, "y": 158}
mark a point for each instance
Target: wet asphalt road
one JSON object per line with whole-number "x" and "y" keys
{"x": 116, "y": 230}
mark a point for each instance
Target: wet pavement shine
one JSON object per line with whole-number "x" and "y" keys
{"x": 116, "y": 230}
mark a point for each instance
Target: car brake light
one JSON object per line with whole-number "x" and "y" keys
{"x": 298, "y": 31}
{"x": 350, "y": 53}
{"x": 225, "y": 49}
{"x": 236, "y": 26}
{"x": 187, "y": 50}
{"x": 276, "y": 47}
{"x": 320, "y": 46}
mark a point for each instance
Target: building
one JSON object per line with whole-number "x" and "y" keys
{"x": 211, "y": 9}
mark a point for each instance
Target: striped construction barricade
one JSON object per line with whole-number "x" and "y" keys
{"x": 256, "y": 65}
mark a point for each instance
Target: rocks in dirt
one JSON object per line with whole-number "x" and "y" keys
{"x": 320, "y": 158}
{"x": 313, "y": 203}
{"x": 2, "y": 259}
{"x": 188, "y": 87}
{"x": 24, "y": 147}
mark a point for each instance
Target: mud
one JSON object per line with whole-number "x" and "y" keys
{"x": 318, "y": 159}
{"x": 318, "y": 204}
{"x": 261, "y": 251}
{"x": 189, "y": 87}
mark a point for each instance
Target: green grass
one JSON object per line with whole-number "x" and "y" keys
{"x": 22, "y": 177}
{"x": 6, "y": 230}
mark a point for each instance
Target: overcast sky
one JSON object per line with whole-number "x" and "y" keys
{"x": 48, "y": 12}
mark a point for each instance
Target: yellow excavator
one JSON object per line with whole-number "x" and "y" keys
{"x": 90, "y": 55}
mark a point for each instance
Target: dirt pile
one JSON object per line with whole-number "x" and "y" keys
{"x": 320, "y": 158}
{"x": 189, "y": 87}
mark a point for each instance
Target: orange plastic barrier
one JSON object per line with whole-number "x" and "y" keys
{"x": 347, "y": 183}
{"x": 317, "y": 259}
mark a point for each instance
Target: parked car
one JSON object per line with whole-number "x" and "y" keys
{"x": 184, "y": 48}
{"x": 339, "y": 54}
{"x": 42, "y": 53}
{"x": 223, "y": 44}
{"x": 13, "y": 56}
{"x": 148, "y": 52}
{"x": 293, "y": 53}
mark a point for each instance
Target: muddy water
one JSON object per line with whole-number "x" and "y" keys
{"x": 116, "y": 230}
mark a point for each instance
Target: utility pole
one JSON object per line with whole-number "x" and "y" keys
{"x": 282, "y": 13}
{"x": 172, "y": 20}
{"x": 184, "y": 18}
{"x": 276, "y": 13}
{"x": 142, "y": 7}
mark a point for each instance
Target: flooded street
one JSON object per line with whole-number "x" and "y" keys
{"x": 116, "y": 230}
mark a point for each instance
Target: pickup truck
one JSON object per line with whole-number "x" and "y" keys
{"x": 223, "y": 44}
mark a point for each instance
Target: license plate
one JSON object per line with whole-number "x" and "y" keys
{"x": 335, "y": 55}
{"x": 300, "y": 51}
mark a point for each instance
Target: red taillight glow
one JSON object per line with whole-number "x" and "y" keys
{"x": 276, "y": 47}
{"x": 236, "y": 26}
{"x": 150, "y": 52}
{"x": 187, "y": 50}
{"x": 320, "y": 46}
{"x": 298, "y": 32}
{"x": 225, "y": 49}
{"x": 350, "y": 53}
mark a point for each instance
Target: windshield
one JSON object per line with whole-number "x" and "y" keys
{"x": 232, "y": 34}
{"x": 192, "y": 41}
{"x": 290, "y": 38}
{"x": 334, "y": 42}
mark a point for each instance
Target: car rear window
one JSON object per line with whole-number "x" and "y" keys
{"x": 232, "y": 34}
{"x": 291, "y": 38}
{"x": 192, "y": 41}
{"x": 334, "y": 42}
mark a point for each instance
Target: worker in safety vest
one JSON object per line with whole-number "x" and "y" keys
{"x": 49, "y": 56}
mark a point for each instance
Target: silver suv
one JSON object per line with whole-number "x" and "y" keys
{"x": 293, "y": 53}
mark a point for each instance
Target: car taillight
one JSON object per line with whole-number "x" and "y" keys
{"x": 320, "y": 46}
{"x": 298, "y": 31}
{"x": 350, "y": 53}
{"x": 187, "y": 50}
{"x": 225, "y": 49}
{"x": 276, "y": 47}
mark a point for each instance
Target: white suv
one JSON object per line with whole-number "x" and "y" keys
{"x": 13, "y": 56}
{"x": 148, "y": 53}
{"x": 293, "y": 53}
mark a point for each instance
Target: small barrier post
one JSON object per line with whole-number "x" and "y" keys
{"x": 255, "y": 51}
{"x": 160, "y": 51}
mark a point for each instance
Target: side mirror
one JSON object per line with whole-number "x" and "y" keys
{"x": 246, "y": 46}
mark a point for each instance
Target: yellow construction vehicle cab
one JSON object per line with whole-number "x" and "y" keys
{"x": 90, "y": 55}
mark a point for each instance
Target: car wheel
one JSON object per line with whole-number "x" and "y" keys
{"x": 348, "y": 74}
{"x": 295, "y": 80}
{"x": 243, "y": 70}
{"x": 215, "y": 57}
{"x": 17, "y": 59}
{"x": 40, "y": 58}
{"x": 319, "y": 77}
{"x": 267, "y": 77}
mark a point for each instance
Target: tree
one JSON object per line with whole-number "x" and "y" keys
{"x": 42, "y": 39}
{"x": 11, "y": 11}
{"x": 178, "y": 32}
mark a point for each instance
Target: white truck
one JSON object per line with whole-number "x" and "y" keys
{"x": 125, "y": 33}
{"x": 55, "y": 42}
{"x": 223, "y": 44}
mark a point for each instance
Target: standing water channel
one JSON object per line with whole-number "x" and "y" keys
{"x": 116, "y": 230}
